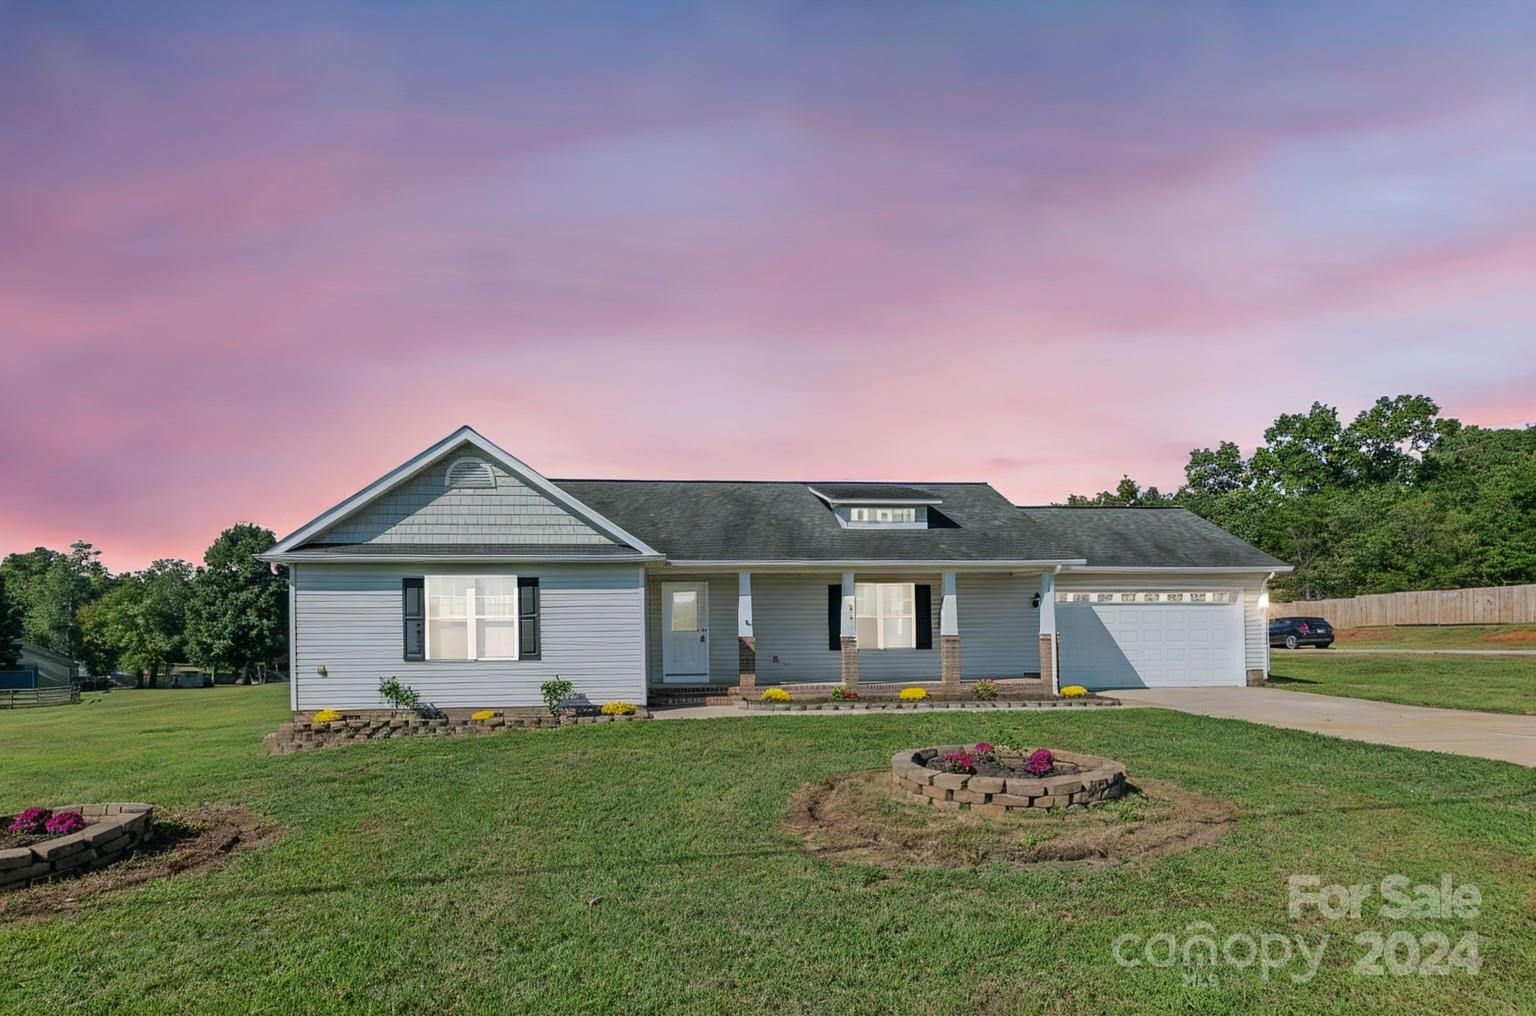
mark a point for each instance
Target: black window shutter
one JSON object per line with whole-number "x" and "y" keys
{"x": 835, "y": 617}
{"x": 528, "y": 619}
{"x": 923, "y": 607}
{"x": 413, "y": 611}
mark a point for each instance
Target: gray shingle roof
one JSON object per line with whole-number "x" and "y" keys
{"x": 411, "y": 550}
{"x": 1147, "y": 538}
{"x": 895, "y": 492}
{"x": 706, "y": 520}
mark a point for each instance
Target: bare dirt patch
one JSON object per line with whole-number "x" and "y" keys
{"x": 182, "y": 843}
{"x": 1360, "y": 634}
{"x": 857, "y": 817}
{"x": 1521, "y": 637}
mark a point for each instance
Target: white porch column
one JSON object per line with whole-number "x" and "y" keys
{"x": 949, "y": 633}
{"x": 1048, "y": 629}
{"x": 746, "y": 641}
{"x": 848, "y": 632}
{"x": 744, "y": 605}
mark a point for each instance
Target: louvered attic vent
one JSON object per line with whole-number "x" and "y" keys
{"x": 470, "y": 474}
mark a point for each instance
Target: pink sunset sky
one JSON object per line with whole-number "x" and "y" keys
{"x": 252, "y": 259}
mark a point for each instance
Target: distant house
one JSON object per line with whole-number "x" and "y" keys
{"x": 40, "y": 668}
{"x": 474, "y": 579}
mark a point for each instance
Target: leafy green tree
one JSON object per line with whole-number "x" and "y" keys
{"x": 238, "y": 618}
{"x": 51, "y": 587}
{"x": 1127, "y": 493}
{"x": 141, "y": 622}
{"x": 10, "y": 628}
{"x": 1400, "y": 498}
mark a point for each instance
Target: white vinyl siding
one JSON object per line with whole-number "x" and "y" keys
{"x": 347, "y": 619}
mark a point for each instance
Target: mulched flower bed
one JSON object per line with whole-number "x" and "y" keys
{"x": 38, "y": 825}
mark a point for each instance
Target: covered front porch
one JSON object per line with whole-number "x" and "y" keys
{"x": 862, "y": 627}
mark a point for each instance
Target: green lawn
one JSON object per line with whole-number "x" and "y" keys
{"x": 438, "y": 876}
{"x": 1460, "y": 636}
{"x": 1498, "y": 684}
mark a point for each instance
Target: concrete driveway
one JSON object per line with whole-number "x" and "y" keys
{"x": 1461, "y": 732}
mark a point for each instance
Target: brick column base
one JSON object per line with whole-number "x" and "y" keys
{"x": 746, "y": 661}
{"x": 1047, "y": 660}
{"x": 949, "y": 660}
{"x": 850, "y": 647}
{"x": 1255, "y": 678}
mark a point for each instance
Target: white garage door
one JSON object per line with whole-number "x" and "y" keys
{"x": 1150, "y": 640}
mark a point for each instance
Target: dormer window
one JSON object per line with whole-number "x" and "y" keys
{"x": 877, "y": 505}
{"x": 876, "y": 516}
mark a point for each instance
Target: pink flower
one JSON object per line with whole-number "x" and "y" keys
{"x": 29, "y": 821}
{"x": 983, "y": 748}
{"x": 1041, "y": 761}
{"x": 960, "y": 761}
{"x": 65, "y": 822}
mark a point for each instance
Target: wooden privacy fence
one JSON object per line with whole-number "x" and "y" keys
{"x": 22, "y": 698}
{"x": 1488, "y": 605}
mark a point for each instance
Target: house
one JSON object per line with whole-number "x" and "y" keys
{"x": 474, "y": 579}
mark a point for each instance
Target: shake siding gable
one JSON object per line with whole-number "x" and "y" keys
{"x": 348, "y": 620}
{"x": 423, "y": 510}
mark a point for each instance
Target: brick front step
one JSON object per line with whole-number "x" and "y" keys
{"x": 1093, "y": 701}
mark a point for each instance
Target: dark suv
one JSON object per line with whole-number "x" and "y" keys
{"x": 1295, "y": 632}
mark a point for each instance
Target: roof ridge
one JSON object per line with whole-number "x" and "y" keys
{"x": 790, "y": 483}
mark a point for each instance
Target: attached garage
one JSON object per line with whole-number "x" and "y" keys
{"x": 1151, "y": 638}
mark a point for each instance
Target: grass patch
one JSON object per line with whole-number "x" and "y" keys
{"x": 643, "y": 867}
{"x": 1498, "y": 684}
{"x": 1460, "y": 636}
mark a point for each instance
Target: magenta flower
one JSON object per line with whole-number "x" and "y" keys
{"x": 1041, "y": 761}
{"x": 960, "y": 761}
{"x": 29, "y": 821}
{"x": 983, "y": 748}
{"x": 65, "y": 822}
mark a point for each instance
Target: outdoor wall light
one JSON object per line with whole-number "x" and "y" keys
{"x": 1034, "y": 601}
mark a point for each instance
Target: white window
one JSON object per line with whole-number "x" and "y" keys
{"x": 1219, "y": 596}
{"x": 471, "y": 617}
{"x": 887, "y": 615}
{"x": 882, "y": 515}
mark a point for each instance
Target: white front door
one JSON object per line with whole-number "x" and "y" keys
{"x": 685, "y": 632}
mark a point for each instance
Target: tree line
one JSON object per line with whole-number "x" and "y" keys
{"x": 1400, "y": 498}
{"x": 229, "y": 614}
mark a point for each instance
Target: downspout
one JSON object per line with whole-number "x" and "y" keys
{"x": 1055, "y": 636}
{"x": 1264, "y": 611}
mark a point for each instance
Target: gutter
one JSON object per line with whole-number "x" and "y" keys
{"x": 301, "y": 558}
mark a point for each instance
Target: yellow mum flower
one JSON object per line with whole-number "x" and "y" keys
{"x": 325, "y": 716}
{"x": 913, "y": 694}
{"x": 775, "y": 695}
{"x": 1073, "y": 691}
{"x": 484, "y": 714}
{"x": 619, "y": 709}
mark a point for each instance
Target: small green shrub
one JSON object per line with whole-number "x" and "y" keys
{"x": 399, "y": 696}
{"x": 555, "y": 693}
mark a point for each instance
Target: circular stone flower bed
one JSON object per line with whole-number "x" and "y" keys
{"x": 42, "y": 843}
{"x": 998, "y": 779}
